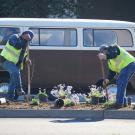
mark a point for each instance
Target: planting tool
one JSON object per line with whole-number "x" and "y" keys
{"x": 103, "y": 76}
{"x": 28, "y": 98}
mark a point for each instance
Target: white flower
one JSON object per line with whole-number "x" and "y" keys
{"x": 55, "y": 93}
{"x": 75, "y": 98}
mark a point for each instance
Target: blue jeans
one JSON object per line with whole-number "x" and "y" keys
{"x": 124, "y": 76}
{"x": 15, "y": 77}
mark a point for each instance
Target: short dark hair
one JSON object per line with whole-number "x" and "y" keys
{"x": 103, "y": 48}
{"x": 29, "y": 32}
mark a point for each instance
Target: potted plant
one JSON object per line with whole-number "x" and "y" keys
{"x": 68, "y": 102}
{"x": 42, "y": 95}
{"x": 95, "y": 97}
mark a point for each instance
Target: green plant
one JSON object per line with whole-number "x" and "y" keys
{"x": 68, "y": 102}
{"x": 62, "y": 93}
{"x": 96, "y": 94}
{"x": 35, "y": 101}
{"x": 109, "y": 104}
{"x": 42, "y": 95}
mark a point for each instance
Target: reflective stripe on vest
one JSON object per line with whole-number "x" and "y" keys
{"x": 121, "y": 61}
{"x": 10, "y": 53}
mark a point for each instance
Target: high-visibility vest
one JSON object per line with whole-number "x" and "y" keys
{"x": 121, "y": 61}
{"x": 11, "y": 54}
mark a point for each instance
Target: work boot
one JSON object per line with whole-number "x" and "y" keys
{"x": 125, "y": 102}
{"x": 18, "y": 93}
{"x": 118, "y": 106}
{"x": 23, "y": 92}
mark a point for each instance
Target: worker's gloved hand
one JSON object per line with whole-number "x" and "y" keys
{"x": 99, "y": 83}
{"x": 28, "y": 61}
{"x": 105, "y": 82}
{"x": 102, "y": 56}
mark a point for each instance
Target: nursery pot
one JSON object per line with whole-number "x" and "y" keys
{"x": 95, "y": 100}
{"x": 59, "y": 103}
{"x": 43, "y": 99}
{"x": 102, "y": 99}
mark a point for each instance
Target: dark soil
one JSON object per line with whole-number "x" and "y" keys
{"x": 50, "y": 105}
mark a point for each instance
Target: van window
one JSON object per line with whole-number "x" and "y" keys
{"x": 124, "y": 38}
{"x": 6, "y": 32}
{"x": 54, "y": 37}
{"x": 98, "y": 37}
{"x": 88, "y": 37}
{"x": 104, "y": 37}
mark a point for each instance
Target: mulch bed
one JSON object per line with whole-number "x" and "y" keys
{"x": 50, "y": 105}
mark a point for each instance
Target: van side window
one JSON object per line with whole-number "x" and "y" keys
{"x": 6, "y": 32}
{"x": 124, "y": 38}
{"x": 64, "y": 37}
{"x": 107, "y": 36}
{"x": 88, "y": 37}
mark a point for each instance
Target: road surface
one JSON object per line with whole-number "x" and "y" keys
{"x": 58, "y": 126}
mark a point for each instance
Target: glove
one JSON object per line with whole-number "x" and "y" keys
{"x": 105, "y": 82}
{"x": 102, "y": 56}
{"x": 28, "y": 61}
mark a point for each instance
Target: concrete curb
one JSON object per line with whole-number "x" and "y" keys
{"x": 119, "y": 114}
{"x": 54, "y": 113}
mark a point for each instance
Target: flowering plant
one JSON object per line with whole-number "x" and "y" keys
{"x": 96, "y": 91}
{"x": 42, "y": 95}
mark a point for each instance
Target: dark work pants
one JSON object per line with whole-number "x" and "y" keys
{"x": 124, "y": 76}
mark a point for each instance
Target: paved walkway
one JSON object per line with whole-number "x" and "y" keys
{"x": 17, "y": 126}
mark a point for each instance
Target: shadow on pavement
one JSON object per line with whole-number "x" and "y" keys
{"x": 76, "y": 120}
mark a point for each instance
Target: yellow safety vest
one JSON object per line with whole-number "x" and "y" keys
{"x": 11, "y": 54}
{"x": 121, "y": 61}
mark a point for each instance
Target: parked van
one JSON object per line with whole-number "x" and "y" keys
{"x": 65, "y": 50}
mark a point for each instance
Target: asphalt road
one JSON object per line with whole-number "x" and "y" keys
{"x": 45, "y": 126}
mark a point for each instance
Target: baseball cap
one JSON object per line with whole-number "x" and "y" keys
{"x": 30, "y": 33}
{"x": 103, "y": 48}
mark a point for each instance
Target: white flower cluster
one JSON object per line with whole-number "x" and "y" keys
{"x": 66, "y": 92}
{"x": 96, "y": 91}
{"x": 101, "y": 92}
{"x": 63, "y": 91}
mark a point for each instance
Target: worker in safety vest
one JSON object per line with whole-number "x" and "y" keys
{"x": 119, "y": 62}
{"x": 12, "y": 57}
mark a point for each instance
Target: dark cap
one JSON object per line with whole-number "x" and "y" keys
{"x": 30, "y": 33}
{"x": 103, "y": 48}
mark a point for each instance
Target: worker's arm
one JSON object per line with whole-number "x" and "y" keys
{"x": 16, "y": 42}
{"x": 110, "y": 78}
{"x": 111, "y": 75}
